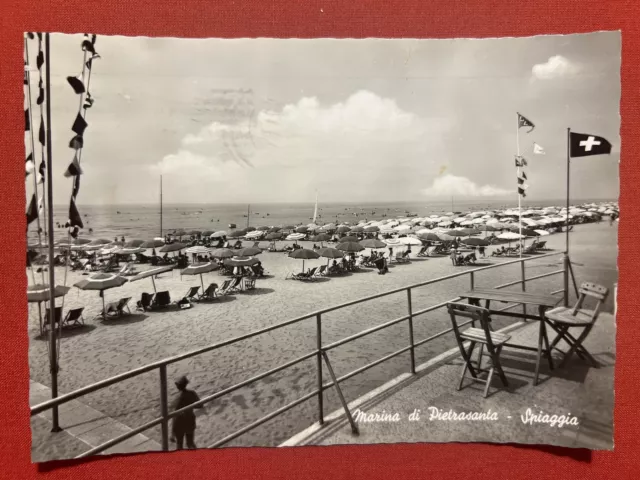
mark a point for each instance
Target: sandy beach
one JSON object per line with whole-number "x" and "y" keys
{"x": 105, "y": 348}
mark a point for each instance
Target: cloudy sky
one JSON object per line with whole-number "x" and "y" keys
{"x": 266, "y": 120}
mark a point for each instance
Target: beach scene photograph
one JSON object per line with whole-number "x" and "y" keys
{"x": 283, "y": 242}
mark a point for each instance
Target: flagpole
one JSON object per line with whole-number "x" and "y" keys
{"x": 161, "y": 206}
{"x": 518, "y": 174}
{"x": 566, "y": 251}
{"x": 52, "y": 281}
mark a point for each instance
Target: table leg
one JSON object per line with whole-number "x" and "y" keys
{"x": 539, "y": 354}
{"x": 543, "y": 322}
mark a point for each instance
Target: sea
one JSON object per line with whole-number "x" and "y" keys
{"x": 144, "y": 221}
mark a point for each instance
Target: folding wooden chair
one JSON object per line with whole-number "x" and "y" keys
{"x": 564, "y": 318}
{"x": 484, "y": 336}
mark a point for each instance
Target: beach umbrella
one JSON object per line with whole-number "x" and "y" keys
{"x": 470, "y": 231}
{"x": 487, "y": 228}
{"x": 274, "y": 236}
{"x": 357, "y": 230}
{"x": 178, "y": 233}
{"x": 134, "y": 243}
{"x": 274, "y": 229}
{"x": 152, "y": 274}
{"x": 456, "y": 233}
{"x": 409, "y": 241}
{"x": 349, "y": 247}
{"x": 445, "y": 223}
{"x": 237, "y": 234}
{"x": 302, "y": 229}
{"x": 373, "y": 243}
{"x": 509, "y": 236}
{"x": 343, "y": 229}
{"x": 477, "y": 242}
{"x": 295, "y": 237}
{"x": 197, "y": 250}
{"x": 348, "y": 238}
{"x": 128, "y": 250}
{"x": 248, "y": 252}
{"x": 98, "y": 241}
{"x": 288, "y": 227}
{"x": 321, "y": 237}
{"x": 241, "y": 261}
{"x": 304, "y": 254}
{"x": 526, "y": 232}
{"x": 172, "y": 247}
{"x": 423, "y": 231}
{"x": 219, "y": 234}
{"x": 207, "y": 233}
{"x": 542, "y": 233}
{"x": 108, "y": 250}
{"x": 222, "y": 253}
{"x": 372, "y": 229}
{"x": 41, "y": 293}
{"x": 199, "y": 270}
{"x": 328, "y": 252}
{"x": 255, "y": 235}
{"x": 193, "y": 232}
{"x": 101, "y": 282}
{"x": 477, "y": 221}
{"x": 263, "y": 228}
{"x": 429, "y": 237}
{"x": 151, "y": 244}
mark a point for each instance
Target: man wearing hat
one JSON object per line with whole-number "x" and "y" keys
{"x": 184, "y": 424}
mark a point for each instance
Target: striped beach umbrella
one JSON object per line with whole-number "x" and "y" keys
{"x": 197, "y": 250}
{"x": 152, "y": 273}
{"x": 200, "y": 270}
{"x": 248, "y": 252}
{"x": 172, "y": 247}
{"x": 222, "y": 253}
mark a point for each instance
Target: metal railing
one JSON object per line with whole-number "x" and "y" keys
{"x": 320, "y": 353}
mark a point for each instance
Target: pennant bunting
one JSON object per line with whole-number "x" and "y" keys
{"x": 76, "y": 84}
{"x": 41, "y": 136}
{"x": 79, "y": 125}
{"x": 76, "y": 186}
{"x": 524, "y": 122}
{"x": 74, "y": 215}
{"x": 40, "y": 59}
{"x": 41, "y": 171}
{"x": 585, "y": 145}
{"x": 29, "y": 165}
{"x": 88, "y": 101}
{"x": 40, "y": 99}
{"x": 32, "y": 210}
{"x": 76, "y": 142}
{"x": 27, "y": 122}
{"x": 74, "y": 168}
{"x": 537, "y": 149}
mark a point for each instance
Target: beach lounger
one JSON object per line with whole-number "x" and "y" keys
{"x": 161, "y": 300}
{"x": 117, "y": 309}
{"x": 192, "y": 293}
{"x": 542, "y": 245}
{"x": 422, "y": 252}
{"x": 227, "y": 287}
{"x": 322, "y": 271}
{"x": 401, "y": 258}
{"x": 73, "y": 318}
{"x": 210, "y": 293}
{"x": 56, "y": 320}
{"x": 249, "y": 283}
{"x": 235, "y": 285}
{"x": 145, "y": 302}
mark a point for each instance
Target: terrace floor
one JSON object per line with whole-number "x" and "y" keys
{"x": 577, "y": 389}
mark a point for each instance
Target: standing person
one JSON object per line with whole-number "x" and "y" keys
{"x": 184, "y": 425}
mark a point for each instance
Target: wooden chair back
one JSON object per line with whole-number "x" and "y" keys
{"x": 475, "y": 314}
{"x": 593, "y": 291}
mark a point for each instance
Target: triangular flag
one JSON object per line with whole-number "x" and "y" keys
{"x": 76, "y": 186}
{"x": 88, "y": 101}
{"x": 524, "y": 175}
{"x": 76, "y": 84}
{"x": 76, "y": 142}
{"x": 79, "y": 125}
{"x": 40, "y": 59}
{"x": 29, "y": 165}
{"x": 87, "y": 46}
{"x": 524, "y": 122}
{"x": 74, "y": 216}
{"x": 40, "y": 99}
{"x": 537, "y": 149}
{"x": 41, "y": 136}
{"x": 32, "y": 210}
{"x": 27, "y": 121}
{"x": 74, "y": 167}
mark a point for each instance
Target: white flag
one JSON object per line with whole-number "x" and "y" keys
{"x": 537, "y": 149}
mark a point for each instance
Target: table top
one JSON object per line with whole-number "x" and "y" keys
{"x": 511, "y": 297}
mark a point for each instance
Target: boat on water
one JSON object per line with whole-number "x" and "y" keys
{"x": 232, "y": 225}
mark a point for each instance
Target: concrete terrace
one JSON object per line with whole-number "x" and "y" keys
{"x": 577, "y": 389}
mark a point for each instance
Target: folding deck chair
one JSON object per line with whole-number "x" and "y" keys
{"x": 484, "y": 336}
{"x": 564, "y": 318}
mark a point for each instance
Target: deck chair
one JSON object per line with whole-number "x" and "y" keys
{"x": 322, "y": 271}
{"x": 145, "y": 301}
{"x": 400, "y": 258}
{"x": 56, "y": 320}
{"x": 73, "y": 318}
{"x": 228, "y": 286}
{"x": 541, "y": 245}
{"x": 119, "y": 308}
{"x": 161, "y": 300}
{"x": 484, "y": 336}
{"x": 235, "y": 285}
{"x": 192, "y": 293}
{"x": 565, "y": 318}
{"x": 210, "y": 293}
{"x": 249, "y": 283}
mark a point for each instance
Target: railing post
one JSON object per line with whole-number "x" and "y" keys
{"x": 411, "y": 342}
{"x": 164, "y": 407}
{"x": 523, "y": 278}
{"x": 319, "y": 368}
{"x": 472, "y": 280}
{"x": 565, "y": 266}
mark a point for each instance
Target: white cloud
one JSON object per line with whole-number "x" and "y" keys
{"x": 448, "y": 185}
{"x": 356, "y": 144}
{"x": 556, "y": 67}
